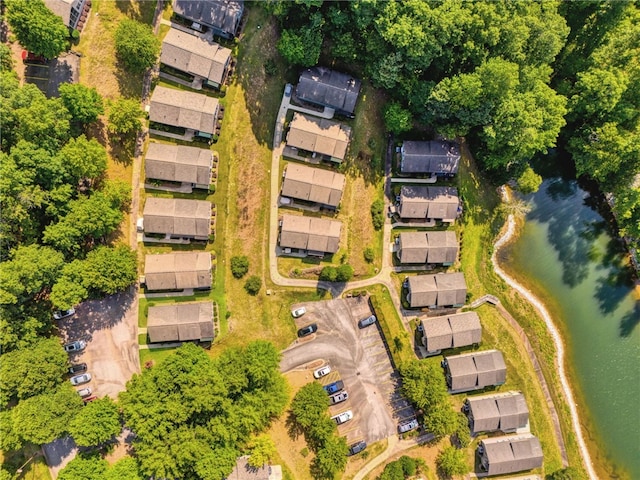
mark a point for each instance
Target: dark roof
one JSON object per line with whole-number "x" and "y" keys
{"x": 473, "y": 371}
{"x": 451, "y": 331}
{"x": 180, "y": 322}
{"x": 223, "y": 15}
{"x": 511, "y": 454}
{"x": 504, "y": 411}
{"x": 428, "y": 247}
{"x": 310, "y": 233}
{"x": 319, "y": 135}
{"x": 313, "y": 184}
{"x": 177, "y": 216}
{"x": 436, "y": 156}
{"x": 437, "y": 203}
{"x": 329, "y": 88}
{"x": 181, "y": 108}
{"x": 441, "y": 290}
{"x": 178, "y": 163}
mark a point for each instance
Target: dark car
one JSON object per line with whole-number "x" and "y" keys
{"x": 334, "y": 387}
{"x": 357, "y": 447}
{"x": 308, "y": 330}
{"x": 79, "y": 368}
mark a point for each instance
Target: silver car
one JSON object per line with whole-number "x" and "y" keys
{"x": 80, "y": 379}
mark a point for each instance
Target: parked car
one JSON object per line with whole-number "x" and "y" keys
{"x": 60, "y": 314}
{"x": 298, "y": 312}
{"x": 334, "y": 387}
{"x": 365, "y": 322}
{"x": 338, "y": 397}
{"x": 321, "y": 372}
{"x": 287, "y": 90}
{"x": 29, "y": 57}
{"x": 84, "y": 392}
{"x": 357, "y": 447}
{"x": 78, "y": 368}
{"x": 80, "y": 379}
{"x": 76, "y": 346}
{"x": 342, "y": 417}
{"x": 308, "y": 330}
{"x": 89, "y": 399}
{"x": 408, "y": 426}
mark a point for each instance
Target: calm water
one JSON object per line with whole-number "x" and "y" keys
{"x": 566, "y": 248}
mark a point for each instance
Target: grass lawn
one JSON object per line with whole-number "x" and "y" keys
{"x": 30, "y": 459}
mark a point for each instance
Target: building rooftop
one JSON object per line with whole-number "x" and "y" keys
{"x": 472, "y": 371}
{"x": 441, "y": 290}
{"x": 178, "y": 163}
{"x": 319, "y": 135}
{"x": 327, "y": 87}
{"x": 310, "y": 233}
{"x": 440, "y": 157}
{"x": 503, "y": 411}
{"x": 451, "y": 331}
{"x": 313, "y": 184}
{"x": 503, "y": 455}
{"x": 177, "y": 271}
{"x": 195, "y": 55}
{"x": 178, "y": 217}
{"x": 180, "y": 108}
{"x": 438, "y": 203}
{"x": 428, "y": 247}
{"x": 180, "y": 322}
{"x": 224, "y": 15}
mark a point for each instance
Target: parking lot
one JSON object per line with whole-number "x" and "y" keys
{"x": 50, "y": 74}
{"x": 360, "y": 359}
{"x": 109, "y": 327}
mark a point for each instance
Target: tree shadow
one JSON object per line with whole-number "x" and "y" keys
{"x": 123, "y": 148}
{"x": 97, "y": 130}
{"x": 140, "y": 10}
{"x": 294, "y": 429}
{"x": 630, "y": 321}
{"x": 129, "y": 83}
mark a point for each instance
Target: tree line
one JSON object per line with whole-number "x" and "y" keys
{"x": 515, "y": 78}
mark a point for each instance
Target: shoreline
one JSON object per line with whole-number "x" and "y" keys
{"x": 505, "y": 237}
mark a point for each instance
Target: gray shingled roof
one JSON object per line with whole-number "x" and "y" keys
{"x": 177, "y": 271}
{"x": 503, "y": 455}
{"x": 438, "y": 203}
{"x": 224, "y": 15}
{"x": 327, "y": 87}
{"x": 180, "y": 108}
{"x": 428, "y": 247}
{"x": 439, "y": 157}
{"x": 178, "y": 163}
{"x": 472, "y": 371}
{"x": 62, "y": 8}
{"x": 178, "y": 217}
{"x": 451, "y": 331}
{"x": 319, "y": 135}
{"x": 195, "y": 55}
{"x": 504, "y": 411}
{"x": 180, "y": 322}
{"x": 441, "y": 290}
{"x": 313, "y": 184}
{"x": 310, "y": 233}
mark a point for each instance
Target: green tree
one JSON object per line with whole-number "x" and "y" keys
{"x": 90, "y": 467}
{"x": 377, "y": 213}
{"x": 309, "y": 404}
{"x": 239, "y": 266}
{"x": 529, "y": 181}
{"x": 330, "y": 459}
{"x": 37, "y": 28}
{"x": 32, "y": 371}
{"x": 344, "y": 273}
{"x": 82, "y": 159}
{"x": 9, "y": 437}
{"x": 440, "y": 420}
{"x": 397, "y": 119}
{"x": 404, "y": 467}
{"x": 569, "y": 473}
{"x": 96, "y": 423}
{"x": 328, "y": 274}
{"x": 83, "y": 103}
{"x": 627, "y": 210}
{"x": 136, "y": 45}
{"x": 124, "y": 469}
{"x": 253, "y": 285}
{"x": 302, "y": 46}
{"x": 6, "y": 58}
{"x": 423, "y": 384}
{"x": 461, "y": 433}
{"x": 263, "y": 449}
{"x": 124, "y": 117}
{"x": 43, "y": 122}
{"x": 451, "y": 462}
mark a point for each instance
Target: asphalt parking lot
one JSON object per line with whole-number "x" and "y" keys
{"x": 360, "y": 359}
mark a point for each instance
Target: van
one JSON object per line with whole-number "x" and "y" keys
{"x": 365, "y": 322}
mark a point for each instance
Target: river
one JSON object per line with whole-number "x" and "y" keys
{"x": 566, "y": 255}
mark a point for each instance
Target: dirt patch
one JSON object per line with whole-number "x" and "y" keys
{"x": 427, "y": 453}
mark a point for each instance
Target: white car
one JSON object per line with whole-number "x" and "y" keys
{"x": 60, "y": 314}
{"x": 321, "y": 372}
{"x": 80, "y": 379}
{"x": 298, "y": 312}
{"x": 84, "y": 392}
{"x": 343, "y": 417}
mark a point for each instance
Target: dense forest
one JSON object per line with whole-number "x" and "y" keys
{"x": 515, "y": 78}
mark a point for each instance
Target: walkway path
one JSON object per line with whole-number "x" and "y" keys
{"x": 507, "y": 236}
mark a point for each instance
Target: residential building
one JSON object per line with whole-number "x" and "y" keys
{"x": 319, "y": 136}
{"x": 314, "y": 185}
{"x": 190, "y": 111}
{"x": 436, "y": 291}
{"x": 451, "y": 331}
{"x": 176, "y": 218}
{"x": 505, "y": 412}
{"x": 222, "y": 17}
{"x": 437, "y": 247}
{"x": 328, "y": 88}
{"x": 429, "y": 203}
{"x": 474, "y": 371}
{"x": 502, "y": 455}
{"x": 178, "y": 271}
{"x": 309, "y": 235}
{"x": 203, "y": 60}
{"x": 435, "y": 157}
{"x": 189, "y": 166}
{"x": 181, "y": 322}
{"x": 74, "y": 13}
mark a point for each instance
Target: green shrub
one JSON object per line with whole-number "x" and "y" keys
{"x": 253, "y": 285}
{"x": 377, "y": 214}
{"x": 239, "y": 266}
{"x": 329, "y": 274}
{"x": 369, "y": 255}
{"x": 344, "y": 273}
